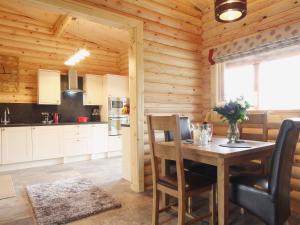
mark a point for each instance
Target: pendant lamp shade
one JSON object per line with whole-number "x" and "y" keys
{"x": 227, "y": 11}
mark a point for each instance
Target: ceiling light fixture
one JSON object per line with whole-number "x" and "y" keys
{"x": 77, "y": 57}
{"x": 227, "y": 11}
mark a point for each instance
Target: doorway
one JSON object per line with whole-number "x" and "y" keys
{"x": 135, "y": 71}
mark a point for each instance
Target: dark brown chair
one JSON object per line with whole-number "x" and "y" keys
{"x": 183, "y": 184}
{"x": 268, "y": 197}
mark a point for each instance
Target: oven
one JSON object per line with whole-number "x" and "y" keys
{"x": 116, "y": 105}
{"x": 115, "y": 124}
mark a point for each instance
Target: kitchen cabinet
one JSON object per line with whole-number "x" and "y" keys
{"x": 16, "y": 144}
{"x": 76, "y": 140}
{"x": 114, "y": 146}
{"x": 115, "y": 86}
{"x": 46, "y": 142}
{"x": 126, "y": 153}
{"x": 112, "y": 86}
{"x": 92, "y": 86}
{"x": 49, "y": 89}
{"x": 98, "y": 140}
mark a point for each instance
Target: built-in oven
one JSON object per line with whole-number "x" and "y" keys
{"x": 116, "y": 105}
{"x": 115, "y": 124}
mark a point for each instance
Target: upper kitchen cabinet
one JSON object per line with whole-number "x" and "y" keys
{"x": 115, "y": 86}
{"x": 92, "y": 87}
{"x": 49, "y": 90}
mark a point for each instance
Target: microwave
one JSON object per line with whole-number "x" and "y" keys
{"x": 116, "y": 105}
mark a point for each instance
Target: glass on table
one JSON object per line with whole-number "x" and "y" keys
{"x": 207, "y": 129}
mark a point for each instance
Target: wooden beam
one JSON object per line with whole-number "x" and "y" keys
{"x": 201, "y": 5}
{"x": 61, "y": 24}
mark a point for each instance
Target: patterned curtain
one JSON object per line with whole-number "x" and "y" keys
{"x": 268, "y": 40}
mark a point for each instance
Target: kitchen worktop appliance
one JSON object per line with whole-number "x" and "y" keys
{"x": 118, "y": 114}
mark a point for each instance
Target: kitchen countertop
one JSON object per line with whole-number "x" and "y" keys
{"x": 52, "y": 124}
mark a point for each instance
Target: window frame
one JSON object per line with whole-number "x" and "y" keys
{"x": 256, "y": 61}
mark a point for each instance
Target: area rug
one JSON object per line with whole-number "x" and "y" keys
{"x": 68, "y": 200}
{"x": 7, "y": 189}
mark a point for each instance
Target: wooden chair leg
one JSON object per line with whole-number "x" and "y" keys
{"x": 181, "y": 210}
{"x": 190, "y": 205}
{"x": 155, "y": 207}
{"x": 242, "y": 211}
{"x": 212, "y": 205}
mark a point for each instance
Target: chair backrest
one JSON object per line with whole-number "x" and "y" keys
{"x": 281, "y": 166}
{"x": 184, "y": 130}
{"x": 166, "y": 152}
{"x": 220, "y": 128}
{"x": 255, "y": 128}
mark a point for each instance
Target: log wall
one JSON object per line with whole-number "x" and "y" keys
{"x": 262, "y": 15}
{"x": 172, "y": 39}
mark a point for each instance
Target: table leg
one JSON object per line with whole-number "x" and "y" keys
{"x": 223, "y": 192}
{"x": 265, "y": 165}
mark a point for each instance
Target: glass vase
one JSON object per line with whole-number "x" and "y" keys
{"x": 233, "y": 133}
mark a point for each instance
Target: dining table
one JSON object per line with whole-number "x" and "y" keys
{"x": 221, "y": 154}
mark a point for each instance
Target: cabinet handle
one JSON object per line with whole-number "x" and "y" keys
{"x": 33, "y": 128}
{"x": 3, "y": 129}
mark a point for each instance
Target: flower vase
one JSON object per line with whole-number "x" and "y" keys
{"x": 233, "y": 133}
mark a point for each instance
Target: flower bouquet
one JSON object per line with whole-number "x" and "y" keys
{"x": 233, "y": 112}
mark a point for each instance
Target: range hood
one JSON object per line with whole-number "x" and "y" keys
{"x": 73, "y": 82}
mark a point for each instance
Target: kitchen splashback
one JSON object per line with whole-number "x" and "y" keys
{"x": 71, "y": 107}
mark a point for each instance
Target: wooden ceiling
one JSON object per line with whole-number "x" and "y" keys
{"x": 63, "y": 25}
{"x": 203, "y": 5}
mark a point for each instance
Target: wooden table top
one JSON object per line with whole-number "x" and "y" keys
{"x": 213, "y": 149}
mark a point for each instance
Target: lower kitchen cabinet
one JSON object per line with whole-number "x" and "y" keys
{"x": 73, "y": 147}
{"x": 46, "y": 142}
{"x": 114, "y": 146}
{"x": 16, "y": 145}
{"x": 98, "y": 139}
{"x": 76, "y": 140}
{"x": 24, "y": 144}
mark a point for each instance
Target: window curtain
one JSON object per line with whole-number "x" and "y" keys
{"x": 217, "y": 83}
{"x": 265, "y": 41}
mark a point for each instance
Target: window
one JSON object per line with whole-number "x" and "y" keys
{"x": 266, "y": 84}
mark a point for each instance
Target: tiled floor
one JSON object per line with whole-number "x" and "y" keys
{"x": 136, "y": 208}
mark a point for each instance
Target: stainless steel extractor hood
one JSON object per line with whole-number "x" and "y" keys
{"x": 73, "y": 82}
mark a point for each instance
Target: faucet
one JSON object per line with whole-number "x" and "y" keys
{"x": 6, "y": 114}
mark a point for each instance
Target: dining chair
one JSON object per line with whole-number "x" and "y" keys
{"x": 255, "y": 129}
{"x": 268, "y": 197}
{"x": 181, "y": 185}
{"x": 202, "y": 168}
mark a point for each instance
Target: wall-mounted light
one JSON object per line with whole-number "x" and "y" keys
{"x": 227, "y": 11}
{"x": 77, "y": 57}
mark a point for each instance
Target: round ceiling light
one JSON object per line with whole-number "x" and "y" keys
{"x": 227, "y": 11}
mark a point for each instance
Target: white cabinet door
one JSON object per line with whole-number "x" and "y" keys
{"x": 76, "y": 139}
{"x": 114, "y": 143}
{"x": 73, "y": 147}
{"x": 126, "y": 156}
{"x": 117, "y": 86}
{"x": 49, "y": 90}
{"x": 92, "y": 86}
{"x": 99, "y": 138}
{"x": 16, "y": 144}
{"x": 46, "y": 143}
